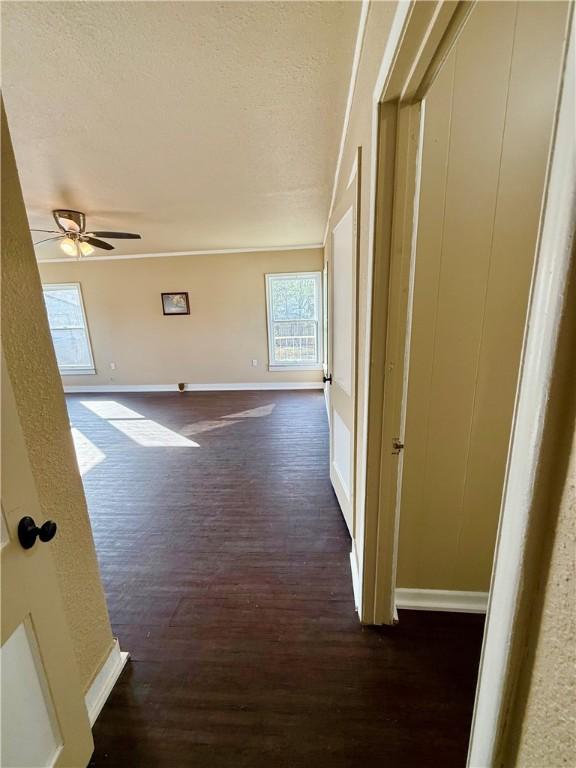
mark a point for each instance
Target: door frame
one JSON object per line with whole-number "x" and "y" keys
{"x": 518, "y": 561}
{"x": 421, "y": 37}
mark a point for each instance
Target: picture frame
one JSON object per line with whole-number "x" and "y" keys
{"x": 175, "y": 303}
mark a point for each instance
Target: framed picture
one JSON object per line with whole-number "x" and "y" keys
{"x": 175, "y": 303}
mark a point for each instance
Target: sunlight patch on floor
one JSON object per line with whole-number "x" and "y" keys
{"x": 205, "y": 426}
{"x": 252, "y": 413}
{"x": 145, "y": 432}
{"x": 88, "y": 455}
{"x": 150, "y": 434}
{"x": 228, "y": 420}
{"x": 110, "y": 409}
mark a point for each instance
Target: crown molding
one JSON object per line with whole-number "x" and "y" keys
{"x": 168, "y": 254}
{"x": 351, "y": 88}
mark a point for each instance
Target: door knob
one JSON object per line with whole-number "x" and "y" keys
{"x": 28, "y": 531}
{"x": 327, "y": 379}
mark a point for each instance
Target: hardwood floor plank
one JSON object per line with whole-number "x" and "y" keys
{"x": 224, "y": 558}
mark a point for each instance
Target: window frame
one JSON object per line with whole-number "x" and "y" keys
{"x": 70, "y": 370}
{"x": 318, "y": 319}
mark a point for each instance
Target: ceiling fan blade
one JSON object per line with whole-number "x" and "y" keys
{"x": 56, "y": 237}
{"x": 118, "y": 235}
{"x": 98, "y": 243}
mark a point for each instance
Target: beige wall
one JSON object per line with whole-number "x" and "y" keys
{"x": 216, "y": 343}
{"x": 42, "y": 412}
{"x": 547, "y": 731}
{"x": 359, "y": 134}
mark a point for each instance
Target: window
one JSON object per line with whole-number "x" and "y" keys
{"x": 68, "y": 327}
{"x": 295, "y": 320}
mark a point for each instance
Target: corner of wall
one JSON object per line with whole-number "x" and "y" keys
{"x": 42, "y": 411}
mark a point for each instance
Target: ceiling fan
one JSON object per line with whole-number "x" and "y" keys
{"x": 75, "y": 240}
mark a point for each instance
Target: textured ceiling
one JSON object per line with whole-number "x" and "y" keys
{"x": 201, "y": 125}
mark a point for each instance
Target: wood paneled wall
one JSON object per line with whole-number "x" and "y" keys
{"x": 488, "y": 125}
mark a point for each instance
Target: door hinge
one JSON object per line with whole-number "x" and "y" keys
{"x": 397, "y": 446}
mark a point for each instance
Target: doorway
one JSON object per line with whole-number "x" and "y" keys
{"x": 456, "y": 244}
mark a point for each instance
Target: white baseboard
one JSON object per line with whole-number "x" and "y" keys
{"x": 255, "y": 386}
{"x": 327, "y": 402}
{"x": 355, "y": 580}
{"x": 442, "y": 600}
{"x": 120, "y": 388}
{"x": 104, "y": 681}
{"x": 263, "y": 385}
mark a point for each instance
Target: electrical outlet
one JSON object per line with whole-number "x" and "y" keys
{"x": 112, "y": 366}
{"x": 254, "y": 363}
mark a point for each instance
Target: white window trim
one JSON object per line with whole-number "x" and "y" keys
{"x": 276, "y": 367}
{"x": 81, "y": 370}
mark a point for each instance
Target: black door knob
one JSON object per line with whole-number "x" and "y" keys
{"x": 327, "y": 379}
{"x": 28, "y": 531}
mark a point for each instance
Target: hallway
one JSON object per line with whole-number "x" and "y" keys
{"x": 225, "y": 561}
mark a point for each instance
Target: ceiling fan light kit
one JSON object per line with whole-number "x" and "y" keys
{"x": 68, "y": 246}
{"x": 76, "y": 242}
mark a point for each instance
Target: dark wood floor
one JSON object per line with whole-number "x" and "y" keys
{"x": 226, "y": 569}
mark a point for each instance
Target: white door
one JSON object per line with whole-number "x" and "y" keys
{"x": 342, "y": 359}
{"x": 43, "y": 715}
